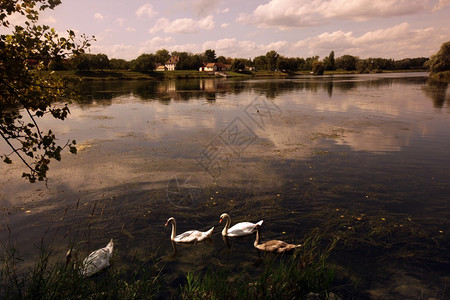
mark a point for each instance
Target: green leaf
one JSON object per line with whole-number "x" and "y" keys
{"x": 73, "y": 150}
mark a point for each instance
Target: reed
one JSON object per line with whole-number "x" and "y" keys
{"x": 295, "y": 276}
{"x": 53, "y": 279}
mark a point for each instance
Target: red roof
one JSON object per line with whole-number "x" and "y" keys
{"x": 173, "y": 60}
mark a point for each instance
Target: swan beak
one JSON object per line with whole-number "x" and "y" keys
{"x": 166, "y": 224}
{"x": 220, "y": 220}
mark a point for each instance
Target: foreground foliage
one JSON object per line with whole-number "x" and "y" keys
{"x": 51, "y": 279}
{"x": 27, "y": 94}
{"x": 287, "y": 277}
{"x": 280, "y": 277}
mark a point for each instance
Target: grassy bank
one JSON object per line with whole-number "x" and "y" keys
{"x": 185, "y": 74}
{"x": 280, "y": 277}
{"x": 131, "y": 75}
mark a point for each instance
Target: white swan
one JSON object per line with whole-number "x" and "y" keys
{"x": 191, "y": 236}
{"x": 239, "y": 229}
{"x": 273, "y": 245}
{"x": 97, "y": 260}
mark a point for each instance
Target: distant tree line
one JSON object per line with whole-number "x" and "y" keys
{"x": 272, "y": 61}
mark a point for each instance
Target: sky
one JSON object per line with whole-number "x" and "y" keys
{"x": 248, "y": 28}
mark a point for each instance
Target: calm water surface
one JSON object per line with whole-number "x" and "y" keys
{"x": 361, "y": 157}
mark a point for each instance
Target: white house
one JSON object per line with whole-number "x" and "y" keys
{"x": 213, "y": 67}
{"x": 172, "y": 63}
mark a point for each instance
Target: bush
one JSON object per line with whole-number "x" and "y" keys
{"x": 318, "y": 68}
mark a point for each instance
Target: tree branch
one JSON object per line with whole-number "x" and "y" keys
{"x": 15, "y": 151}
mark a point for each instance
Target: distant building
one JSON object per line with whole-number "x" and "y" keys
{"x": 161, "y": 68}
{"x": 172, "y": 63}
{"x": 213, "y": 67}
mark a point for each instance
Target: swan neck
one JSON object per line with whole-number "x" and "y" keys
{"x": 256, "y": 243}
{"x": 227, "y": 225}
{"x": 174, "y": 230}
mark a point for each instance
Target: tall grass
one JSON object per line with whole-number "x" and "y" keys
{"x": 50, "y": 278}
{"x": 281, "y": 277}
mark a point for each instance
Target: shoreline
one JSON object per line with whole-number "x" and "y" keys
{"x": 108, "y": 75}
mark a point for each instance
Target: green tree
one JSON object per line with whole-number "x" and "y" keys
{"x": 309, "y": 61}
{"x": 188, "y": 61}
{"x": 119, "y": 64}
{"x": 162, "y": 56}
{"x": 364, "y": 66}
{"x": 272, "y": 60}
{"x": 318, "y": 67}
{"x": 346, "y": 62}
{"x": 329, "y": 62}
{"x": 222, "y": 60}
{"x": 100, "y": 61}
{"x": 26, "y": 93}
{"x": 210, "y": 55}
{"x": 300, "y": 63}
{"x": 440, "y": 62}
{"x": 260, "y": 62}
{"x": 237, "y": 65}
{"x": 81, "y": 62}
{"x": 287, "y": 64}
{"x": 144, "y": 63}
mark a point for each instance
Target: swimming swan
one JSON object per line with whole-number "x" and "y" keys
{"x": 191, "y": 236}
{"x": 273, "y": 245}
{"x": 97, "y": 260}
{"x": 239, "y": 229}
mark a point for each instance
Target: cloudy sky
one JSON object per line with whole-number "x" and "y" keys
{"x": 248, "y": 28}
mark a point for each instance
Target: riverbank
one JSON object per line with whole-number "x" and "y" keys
{"x": 178, "y": 74}
{"x": 107, "y": 75}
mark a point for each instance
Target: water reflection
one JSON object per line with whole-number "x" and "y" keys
{"x": 210, "y": 89}
{"x": 437, "y": 92}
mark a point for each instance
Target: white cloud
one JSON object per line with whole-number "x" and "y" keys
{"x": 224, "y": 25}
{"x": 146, "y": 10}
{"x": 203, "y": 8}
{"x": 155, "y": 44}
{"x": 287, "y": 14}
{"x": 184, "y": 26}
{"x": 396, "y": 42}
{"x": 98, "y": 17}
{"x": 130, "y": 29}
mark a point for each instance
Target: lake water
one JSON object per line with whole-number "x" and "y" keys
{"x": 361, "y": 157}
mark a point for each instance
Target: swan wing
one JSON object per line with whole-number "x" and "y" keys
{"x": 96, "y": 261}
{"x": 188, "y": 236}
{"x": 288, "y": 247}
{"x": 272, "y": 246}
{"x": 193, "y": 236}
{"x": 241, "y": 229}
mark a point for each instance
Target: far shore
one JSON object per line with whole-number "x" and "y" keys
{"x": 131, "y": 75}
